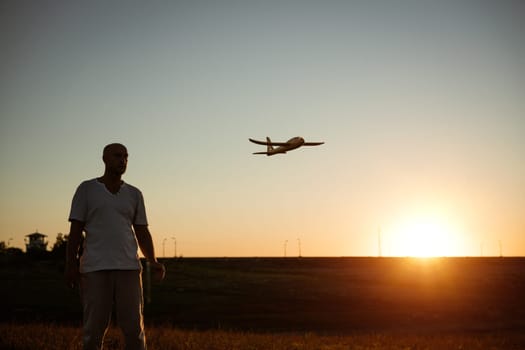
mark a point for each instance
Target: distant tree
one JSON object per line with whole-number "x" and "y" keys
{"x": 5, "y": 250}
{"x": 59, "y": 248}
{"x": 13, "y": 251}
{"x": 11, "y": 255}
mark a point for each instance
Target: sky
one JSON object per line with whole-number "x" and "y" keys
{"x": 421, "y": 105}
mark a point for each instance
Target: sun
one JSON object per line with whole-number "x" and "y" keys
{"x": 424, "y": 237}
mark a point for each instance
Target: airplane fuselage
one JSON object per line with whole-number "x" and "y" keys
{"x": 293, "y": 143}
{"x": 283, "y": 147}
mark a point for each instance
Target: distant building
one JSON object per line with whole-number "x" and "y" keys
{"x": 36, "y": 242}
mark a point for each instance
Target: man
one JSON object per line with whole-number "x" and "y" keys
{"x": 113, "y": 216}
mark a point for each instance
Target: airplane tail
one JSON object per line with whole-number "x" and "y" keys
{"x": 269, "y": 147}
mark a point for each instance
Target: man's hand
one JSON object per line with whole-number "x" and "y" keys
{"x": 72, "y": 275}
{"x": 146, "y": 246}
{"x": 158, "y": 270}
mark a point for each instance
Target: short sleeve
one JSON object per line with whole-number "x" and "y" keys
{"x": 79, "y": 205}
{"x": 140, "y": 212}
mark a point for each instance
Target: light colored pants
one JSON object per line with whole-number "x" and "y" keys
{"x": 99, "y": 291}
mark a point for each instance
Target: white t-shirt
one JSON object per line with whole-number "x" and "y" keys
{"x": 110, "y": 242}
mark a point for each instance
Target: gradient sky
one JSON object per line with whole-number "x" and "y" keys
{"x": 421, "y": 105}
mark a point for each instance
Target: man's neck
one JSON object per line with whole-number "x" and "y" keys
{"x": 112, "y": 182}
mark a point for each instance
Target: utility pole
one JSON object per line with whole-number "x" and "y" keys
{"x": 299, "y": 243}
{"x": 379, "y": 250}
{"x": 174, "y": 247}
{"x": 164, "y": 247}
{"x": 147, "y": 284}
{"x": 285, "y": 244}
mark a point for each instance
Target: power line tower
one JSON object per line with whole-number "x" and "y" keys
{"x": 379, "y": 247}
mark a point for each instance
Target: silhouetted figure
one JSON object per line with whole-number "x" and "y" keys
{"x": 113, "y": 216}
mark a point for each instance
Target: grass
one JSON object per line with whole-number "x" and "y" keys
{"x": 57, "y": 337}
{"x": 277, "y": 303}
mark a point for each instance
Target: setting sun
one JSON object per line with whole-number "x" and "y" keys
{"x": 425, "y": 237}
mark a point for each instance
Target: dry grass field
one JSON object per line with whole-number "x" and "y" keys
{"x": 55, "y": 337}
{"x": 277, "y": 303}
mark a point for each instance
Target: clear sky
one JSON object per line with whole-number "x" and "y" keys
{"x": 421, "y": 105}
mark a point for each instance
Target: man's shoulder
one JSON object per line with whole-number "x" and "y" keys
{"x": 132, "y": 188}
{"x": 88, "y": 183}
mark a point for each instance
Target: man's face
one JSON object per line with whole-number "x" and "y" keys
{"x": 116, "y": 159}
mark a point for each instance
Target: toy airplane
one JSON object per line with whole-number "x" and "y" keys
{"x": 283, "y": 147}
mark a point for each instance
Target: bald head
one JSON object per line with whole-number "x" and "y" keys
{"x": 115, "y": 157}
{"x": 111, "y": 147}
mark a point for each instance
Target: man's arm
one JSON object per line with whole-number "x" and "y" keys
{"x": 146, "y": 246}
{"x": 73, "y": 245}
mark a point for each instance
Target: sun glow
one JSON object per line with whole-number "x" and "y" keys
{"x": 425, "y": 237}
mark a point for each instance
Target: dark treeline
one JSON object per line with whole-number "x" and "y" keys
{"x": 10, "y": 255}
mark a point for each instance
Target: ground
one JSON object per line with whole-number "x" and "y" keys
{"x": 329, "y": 295}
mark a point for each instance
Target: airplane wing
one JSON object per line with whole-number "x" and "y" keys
{"x": 312, "y": 143}
{"x": 268, "y": 143}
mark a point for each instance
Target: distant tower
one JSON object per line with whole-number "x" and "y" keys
{"x": 500, "y": 249}
{"x": 36, "y": 242}
{"x": 299, "y": 243}
{"x": 285, "y": 244}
